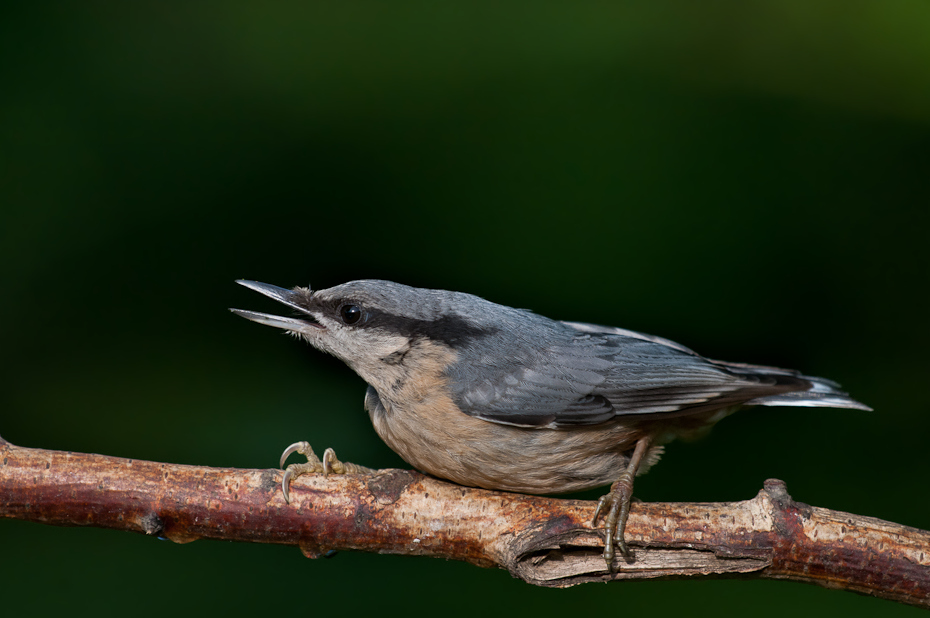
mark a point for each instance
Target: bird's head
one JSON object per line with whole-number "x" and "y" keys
{"x": 372, "y": 324}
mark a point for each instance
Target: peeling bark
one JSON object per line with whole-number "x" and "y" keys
{"x": 544, "y": 541}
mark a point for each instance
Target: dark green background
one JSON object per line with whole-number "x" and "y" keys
{"x": 751, "y": 180}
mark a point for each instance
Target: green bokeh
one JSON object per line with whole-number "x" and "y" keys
{"x": 752, "y": 180}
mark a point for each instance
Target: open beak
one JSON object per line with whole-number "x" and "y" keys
{"x": 281, "y": 295}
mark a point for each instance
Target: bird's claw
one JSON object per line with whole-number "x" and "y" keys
{"x": 615, "y": 506}
{"x": 314, "y": 465}
{"x": 298, "y": 447}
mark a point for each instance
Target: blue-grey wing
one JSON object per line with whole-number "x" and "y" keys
{"x": 588, "y": 374}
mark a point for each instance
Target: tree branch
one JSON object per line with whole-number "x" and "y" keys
{"x": 544, "y": 541}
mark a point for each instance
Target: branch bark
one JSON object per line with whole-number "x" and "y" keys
{"x": 544, "y": 541}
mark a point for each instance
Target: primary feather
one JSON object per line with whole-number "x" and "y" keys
{"x": 587, "y": 374}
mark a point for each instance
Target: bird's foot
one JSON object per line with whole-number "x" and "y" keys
{"x": 615, "y": 507}
{"x": 330, "y": 464}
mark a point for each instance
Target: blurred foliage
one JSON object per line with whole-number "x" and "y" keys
{"x": 750, "y": 179}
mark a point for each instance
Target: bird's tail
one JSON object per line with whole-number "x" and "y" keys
{"x": 822, "y": 393}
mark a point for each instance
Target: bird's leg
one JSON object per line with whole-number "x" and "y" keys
{"x": 329, "y": 464}
{"x": 615, "y": 506}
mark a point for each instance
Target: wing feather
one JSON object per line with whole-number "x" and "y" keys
{"x": 591, "y": 374}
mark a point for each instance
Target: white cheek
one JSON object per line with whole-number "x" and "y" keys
{"x": 360, "y": 347}
{"x": 372, "y": 348}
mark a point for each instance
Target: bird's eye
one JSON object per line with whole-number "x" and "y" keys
{"x": 350, "y": 313}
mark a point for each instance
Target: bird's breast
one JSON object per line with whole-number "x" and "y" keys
{"x": 434, "y": 436}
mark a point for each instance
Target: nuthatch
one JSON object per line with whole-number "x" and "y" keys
{"x": 490, "y": 396}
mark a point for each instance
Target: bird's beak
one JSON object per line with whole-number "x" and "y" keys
{"x": 287, "y": 297}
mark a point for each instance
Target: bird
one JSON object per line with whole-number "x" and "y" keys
{"x": 486, "y": 395}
